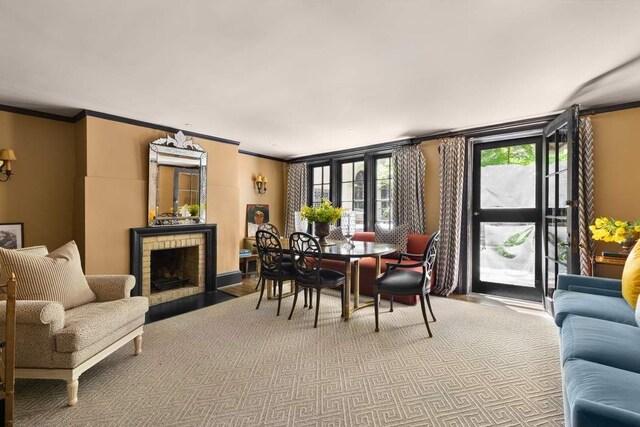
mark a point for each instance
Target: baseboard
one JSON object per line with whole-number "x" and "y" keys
{"x": 229, "y": 278}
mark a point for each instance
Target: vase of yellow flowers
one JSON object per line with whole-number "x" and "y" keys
{"x": 321, "y": 216}
{"x": 624, "y": 233}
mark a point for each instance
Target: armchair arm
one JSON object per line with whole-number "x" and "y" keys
{"x": 590, "y": 285}
{"x": 408, "y": 255}
{"x": 398, "y": 265}
{"x": 36, "y": 313}
{"x": 111, "y": 287}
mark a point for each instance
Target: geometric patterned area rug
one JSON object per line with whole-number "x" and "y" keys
{"x": 231, "y": 365}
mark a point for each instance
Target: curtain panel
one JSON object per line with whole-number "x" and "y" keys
{"x": 408, "y": 167}
{"x": 296, "y": 194}
{"x": 452, "y": 167}
{"x": 586, "y": 212}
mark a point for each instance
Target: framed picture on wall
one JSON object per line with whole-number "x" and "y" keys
{"x": 256, "y": 215}
{"x": 12, "y": 235}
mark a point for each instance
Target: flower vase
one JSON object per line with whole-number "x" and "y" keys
{"x": 322, "y": 231}
{"x": 628, "y": 244}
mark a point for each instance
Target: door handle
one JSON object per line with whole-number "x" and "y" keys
{"x": 476, "y": 213}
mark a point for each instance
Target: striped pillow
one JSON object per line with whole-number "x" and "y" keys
{"x": 57, "y": 276}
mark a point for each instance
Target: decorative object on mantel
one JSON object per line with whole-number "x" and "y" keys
{"x": 177, "y": 182}
{"x": 322, "y": 216}
{"x": 261, "y": 184}
{"x": 612, "y": 230}
{"x": 256, "y": 215}
{"x": 6, "y": 157}
{"x": 12, "y": 235}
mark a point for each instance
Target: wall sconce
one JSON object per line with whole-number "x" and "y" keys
{"x": 261, "y": 184}
{"x": 6, "y": 156}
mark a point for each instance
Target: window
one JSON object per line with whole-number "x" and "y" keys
{"x": 320, "y": 186}
{"x": 361, "y": 184}
{"x": 352, "y": 196}
{"x": 383, "y": 185}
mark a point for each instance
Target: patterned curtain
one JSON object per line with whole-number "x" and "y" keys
{"x": 408, "y": 188}
{"x": 452, "y": 159}
{"x": 296, "y": 194}
{"x": 586, "y": 214}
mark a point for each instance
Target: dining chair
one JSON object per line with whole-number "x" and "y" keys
{"x": 307, "y": 258}
{"x": 273, "y": 266}
{"x": 270, "y": 228}
{"x": 401, "y": 279}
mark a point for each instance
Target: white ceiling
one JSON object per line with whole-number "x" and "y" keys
{"x": 295, "y": 77}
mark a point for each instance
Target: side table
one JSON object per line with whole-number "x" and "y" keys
{"x": 246, "y": 259}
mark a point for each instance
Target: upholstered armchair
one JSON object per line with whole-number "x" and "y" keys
{"x": 54, "y": 343}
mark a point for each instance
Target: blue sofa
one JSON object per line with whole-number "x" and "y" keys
{"x": 600, "y": 352}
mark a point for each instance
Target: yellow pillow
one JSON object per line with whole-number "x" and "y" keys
{"x": 631, "y": 276}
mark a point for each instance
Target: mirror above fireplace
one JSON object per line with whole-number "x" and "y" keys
{"x": 177, "y": 182}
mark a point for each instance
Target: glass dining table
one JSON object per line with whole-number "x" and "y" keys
{"x": 351, "y": 254}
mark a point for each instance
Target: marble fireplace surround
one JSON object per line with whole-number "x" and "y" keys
{"x": 147, "y": 239}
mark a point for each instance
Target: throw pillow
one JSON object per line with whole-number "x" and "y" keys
{"x": 335, "y": 234}
{"x": 57, "y": 276}
{"x": 396, "y": 236}
{"x": 631, "y": 276}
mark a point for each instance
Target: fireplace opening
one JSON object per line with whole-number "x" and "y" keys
{"x": 174, "y": 268}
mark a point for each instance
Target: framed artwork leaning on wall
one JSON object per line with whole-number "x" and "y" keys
{"x": 12, "y": 235}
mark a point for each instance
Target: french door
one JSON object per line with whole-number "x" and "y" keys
{"x": 560, "y": 193}
{"x": 506, "y": 219}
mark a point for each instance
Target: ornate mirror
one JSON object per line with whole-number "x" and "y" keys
{"x": 177, "y": 182}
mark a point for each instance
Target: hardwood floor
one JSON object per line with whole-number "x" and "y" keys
{"x": 247, "y": 287}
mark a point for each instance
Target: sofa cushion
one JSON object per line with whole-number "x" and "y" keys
{"x": 602, "y": 307}
{"x": 364, "y": 236}
{"x": 89, "y": 323}
{"x": 631, "y": 276}
{"x": 600, "y": 341}
{"x": 606, "y": 387}
{"x": 417, "y": 243}
{"x": 398, "y": 236}
{"x": 55, "y": 277}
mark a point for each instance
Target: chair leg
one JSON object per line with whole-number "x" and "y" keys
{"x": 391, "y": 303}
{"x": 424, "y": 314}
{"x": 72, "y": 392}
{"x": 315, "y": 325}
{"x": 310, "y": 298}
{"x": 279, "y": 296}
{"x": 429, "y": 305}
{"x": 295, "y": 299}
{"x": 137, "y": 344}
{"x": 261, "y": 282}
{"x": 305, "y": 298}
{"x": 376, "y": 305}
{"x": 273, "y": 284}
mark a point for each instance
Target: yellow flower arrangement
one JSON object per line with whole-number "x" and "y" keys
{"x": 613, "y": 230}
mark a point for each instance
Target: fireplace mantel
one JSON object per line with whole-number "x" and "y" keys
{"x": 136, "y": 250}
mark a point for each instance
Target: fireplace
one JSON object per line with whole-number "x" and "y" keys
{"x": 173, "y": 262}
{"x": 174, "y": 268}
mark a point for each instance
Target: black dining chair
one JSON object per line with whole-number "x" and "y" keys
{"x": 399, "y": 279}
{"x": 307, "y": 258}
{"x": 273, "y": 265}
{"x": 286, "y": 257}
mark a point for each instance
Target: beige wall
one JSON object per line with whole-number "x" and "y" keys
{"x": 248, "y": 168}
{"x": 116, "y": 191}
{"x": 617, "y": 170}
{"x": 431, "y": 183}
{"x": 40, "y": 194}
